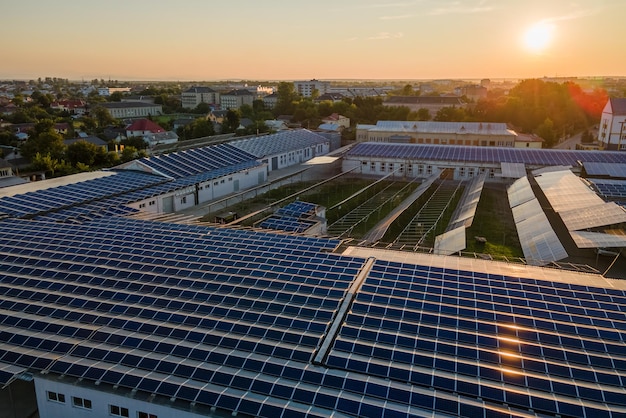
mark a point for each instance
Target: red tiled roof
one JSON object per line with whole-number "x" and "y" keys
{"x": 144, "y": 125}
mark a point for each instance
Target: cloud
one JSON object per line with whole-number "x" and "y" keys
{"x": 577, "y": 14}
{"x": 457, "y": 8}
{"x": 385, "y": 35}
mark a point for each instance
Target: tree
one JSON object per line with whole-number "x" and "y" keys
{"x": 103, "y": 117}
{"x": 423, "y": 114}
{"x": 50, "y": 165}
{"x": 586, "y": 137}
{"x": 45, "y": 143}
{"x": 84, "y": 152}
{"x": 231, "y": 121}
{"x": 287, "y": 96}
{"x": 546, "y": 131}
{"x": 202, "y": 109}
{"x": 450, "y": 114}
{"x": 136, "y": 142}
{"x": 116, "y": 96}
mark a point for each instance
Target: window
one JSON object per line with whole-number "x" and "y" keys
{"x": 142, "y": 205}
{"x": 151, "y": 203}
{"x": 183, "y": 200}
{"x": 81, "y": 403}
{"x": 118, "y": 411}
{"x": 145, "y": 415}
{"x": 372, "y": 166}
{"x": 420, "y": 169}
{"x": 390, "y": 166}
{"x": 462, "y": 171}
{"x": 56, "y": 397}
{"x": 382, "y": 167}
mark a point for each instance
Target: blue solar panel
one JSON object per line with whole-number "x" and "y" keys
{"x": 493, "y": 155}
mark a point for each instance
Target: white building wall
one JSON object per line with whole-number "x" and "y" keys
{"x": 206, "y": 191}
{"x": 611, "y": 127}
{"x": 100, "y": 403}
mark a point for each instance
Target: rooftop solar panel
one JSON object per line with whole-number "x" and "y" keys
{"x": 233, "y": 318}
{"x": 495, "y": 155}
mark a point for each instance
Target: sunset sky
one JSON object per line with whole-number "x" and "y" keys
{"x": 303, "y": 39}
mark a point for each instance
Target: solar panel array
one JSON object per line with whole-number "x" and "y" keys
{"x": 493, "y": 155}
{"x": 280, "y": 142}
{"x": 486, "y": 341}
{"x": 234, "y": 319}
{"x": 540, "y": 243}
{"x": 68, "y": 196}
{"x": 605, "y": 169}
{"x": 291, "y": 218}
{"x": 613, "y": 189}
{"x": 197, "y": 161}
{"x": 464, "y": 214}
{"x": 297, "y": 209}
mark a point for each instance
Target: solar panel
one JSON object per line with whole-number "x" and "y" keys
{"x": 492, "y": 155}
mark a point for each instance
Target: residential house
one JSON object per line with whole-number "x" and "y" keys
{"x": 337, "y": 119}
{"x": 151, "y": 132}
{"x": 612, "y": 133}
{"x": 73, "y": 107}
{"x": 141, "y": 127}
{"x": 89, "y": 139}
{"x": 193, "y": 96}
{"x": 217, "y": 116}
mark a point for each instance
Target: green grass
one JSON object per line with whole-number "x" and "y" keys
{"x": 494, "y": 221}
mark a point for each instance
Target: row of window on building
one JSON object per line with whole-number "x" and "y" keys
{"x": 422, "y": 169}
{"x": 114, "y": 410}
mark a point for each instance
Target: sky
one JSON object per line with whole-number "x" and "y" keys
{"x": 206, "y": 40}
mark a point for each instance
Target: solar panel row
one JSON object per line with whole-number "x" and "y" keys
{"x": 46, "y": 200}
{"x": 197, "y": 161}
{"x": 493, "y": 155}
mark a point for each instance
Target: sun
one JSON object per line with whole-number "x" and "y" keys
{"x": 538, "y": 37}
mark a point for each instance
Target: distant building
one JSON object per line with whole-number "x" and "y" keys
{"x": 193, "y": 96}
{"x": 89, "y": 139}
{"x": 234, "y": 99}
{"x": 142, "y": 127}
{"x": 330, "y": 97}
{"x": 612, "y": 134}
{"x": 528, "y": 141}
{"x": 337, "y": 119}
{"x": 270, "y": 100}
{"x": 122, "y": 110}
{"x": 107, "y": 91}
{"x": 306, "y": 88}
{"x": 432, "y": 103}
{"x": 73, "y": 107}
{"x": 472, "y": 92}
{"x": 443, "y": 133}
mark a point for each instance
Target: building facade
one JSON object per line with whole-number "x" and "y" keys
{"x": 193, "y": 96}
{"x": 438, "y": 133}
{"x": 122, "y": 110}
{"x": 234, "y": 99}
{"x": 306, "y": 88}
{"x": 612, "y": 134}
